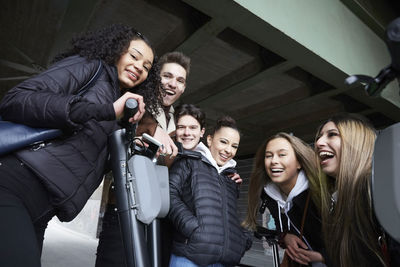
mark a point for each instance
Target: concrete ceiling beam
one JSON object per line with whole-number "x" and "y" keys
{"x": 202, "y": 36}
{"x": 306, "y": 34}
{"x": 259, "y": 77}
{"x": 239, "y": 75}
{"x": 19, "y": 67}
{"x": 375, "y": 14}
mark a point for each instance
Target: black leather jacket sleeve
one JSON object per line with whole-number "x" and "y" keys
{"x": 180, "y": 214}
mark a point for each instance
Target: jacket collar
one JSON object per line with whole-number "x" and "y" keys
{"x": 162, "y": 121}
{"x": 286, "y": 204}
{"x": 205, "y": 152}
{"x": 275, "y": 193}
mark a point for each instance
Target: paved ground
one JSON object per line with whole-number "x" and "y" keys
{"x": 64, "y": 247}
{"x": 67, "y": 248}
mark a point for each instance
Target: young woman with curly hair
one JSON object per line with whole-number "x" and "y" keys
{"x": 110, "y": 44}
{"x": 353, "y": 236}
{"x": 284, "y": 175}
{"x": 58, "y": 177}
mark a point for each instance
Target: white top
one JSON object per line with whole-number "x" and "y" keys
{"x": 162, "y": 120}
{"x": 285, "y": 205}
{"x": 207, "y": 154}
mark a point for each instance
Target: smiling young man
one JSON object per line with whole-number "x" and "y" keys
{"x": 175, "y": 68}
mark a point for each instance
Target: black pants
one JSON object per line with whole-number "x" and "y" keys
{"x": 25, "y": 211}
{"x": 110, "y": 251}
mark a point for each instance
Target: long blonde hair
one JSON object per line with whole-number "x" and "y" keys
{"x": 350, "y": 228}
{"x": 259, "y": 178}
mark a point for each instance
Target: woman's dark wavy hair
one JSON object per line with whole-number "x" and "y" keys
{"x": 109, "y": 44}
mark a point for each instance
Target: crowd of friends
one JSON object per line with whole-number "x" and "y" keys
{"x": 319, "y": 196}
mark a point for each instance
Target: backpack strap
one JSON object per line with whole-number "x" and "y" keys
{"x": 264, "y": 200}
{"x": 92, "y": 79}
{"x": 304, "y": 214}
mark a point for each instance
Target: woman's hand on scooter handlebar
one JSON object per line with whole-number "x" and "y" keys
{"x": 168, "y": 147}
{"x": 119, "y": 105}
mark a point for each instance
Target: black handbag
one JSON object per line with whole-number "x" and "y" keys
{"x": 14, "y": 136}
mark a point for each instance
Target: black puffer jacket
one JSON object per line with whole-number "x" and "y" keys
{"x": 70, "y": 168}
{"x": 204, "y": 213}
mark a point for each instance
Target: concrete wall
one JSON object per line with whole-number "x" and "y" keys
{"x": 330, "y": 30}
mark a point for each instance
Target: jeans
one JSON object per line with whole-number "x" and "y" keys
{"x": 177, "y": 261}
{"x": 110, "y": 250}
